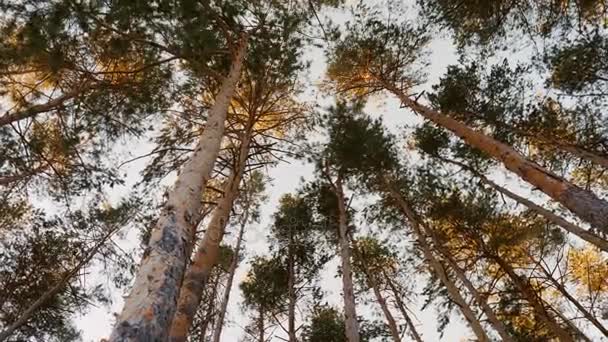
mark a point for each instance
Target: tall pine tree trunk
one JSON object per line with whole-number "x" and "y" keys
{"x": 219, "y": 324}
{"x": 532, "y": 297}
{"x": 291, "y": 309}
{"x": 196, "y": 278}
{"x": 562, "y": 289}
{"x": 585, "y": 204}
{"x": 210, "y": 313}
{"x": 148, "y": 311}
{"x": 402, "y": 308}
{"x": 390, "y": 320}
{"x": 351, "y": 322}
{"x": 438, "y": 268}
{"x": 483, "y": 304}
{"x": 261, "y": 326}
{"x": 551, "y": 217}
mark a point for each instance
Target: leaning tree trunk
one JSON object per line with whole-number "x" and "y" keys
{"x": 148, "y": 311}
{"x": 438, "y": 268}
{"x": 352, "y": 325}
{"x": 206, "y": 256}
{"x": 402, "y": 308}
{"x": 390, "y": 320}
{"x": 573, "y": 300}
{"x": 532, "y": 297}
{"x": 219, "y": 324}
{"x": 53, "y": 291}
{"x": 551, "y": 217}
{"x": 483, "y": 304}
{"x": 583, "y": 203}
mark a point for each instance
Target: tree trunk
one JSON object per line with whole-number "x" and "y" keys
{"x": 219, "y": 324}
{"x": 574, "y": 301}
{"x": 36, "y": 109}
{"x": 291, "y": 309}
{"x": 351, "y": 322}
{"x": 261, "y": 326}
{"x": 438, "y": 268}
{"x": 402, "y": 308}
{"x": 7, "y": 180}
{"x": 532, "y": 297}
{"x": 487, "y": 310}
{"x": 585, "y": 204}
{"x": 211, "y": 308}
{"x": 148, "y": 311}
{"x": 551, "y": 217}
{"x": 584, "y": 154}
{"x": 390, "y": 320}
{"x": 53, "y": 291}
{"x": 206, "y": 256}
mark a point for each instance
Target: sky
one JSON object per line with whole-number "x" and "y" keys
{"x": 286, "y": 178}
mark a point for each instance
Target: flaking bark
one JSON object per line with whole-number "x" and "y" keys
{"x": 149, "y": 309}
{"x": 206, "y": 257}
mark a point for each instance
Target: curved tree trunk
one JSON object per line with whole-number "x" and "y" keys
{"x": 148, "y": 311}
{"x": 197, "y": 275}
{"x": 438, "y": 268}
{"x": 585, "y": 204}
{"x": 351, "y": 322}
{"x": 570, "y": 227}
{"x": 53, "y": 291}
{"x": 219, "y": 324}
{"x": 403, "y": 309}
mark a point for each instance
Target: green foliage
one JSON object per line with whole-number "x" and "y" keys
{"x": 375, "y": 51}
{"x": 488, "y": 23}
{"x": 265, "y": 286}
{"x": 326, "y": 324}
{"x": 36, "y": 254}
{"x": 581, "y": 65}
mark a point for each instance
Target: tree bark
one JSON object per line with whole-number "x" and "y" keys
{"x": 261, "y": 326}
{"x": 350, "y": 311}
{"x": 532, "y": 298}
{"x": 291, "y": 309}
{"x": 219, "y": 324}
{"x": 487, "y": 310}
{"x": 390, "y": 320}
{"x": 148, "y": 311}
{"x": 574, "y": 301}
{"x": 211, "y": 308}
{"x": 551, "y": 217}
{"x": 36, "y": 109}
{"x": 438, "y": 268}
{"x": 585, "y": 204}
{"x": 53, "y": 291}
{"x": 206, "y": 256}
{"x": 403, "y": 309}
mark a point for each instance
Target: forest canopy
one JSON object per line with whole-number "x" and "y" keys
{"x": 303, "y": 170}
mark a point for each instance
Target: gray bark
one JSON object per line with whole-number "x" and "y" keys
{"x": 149, "y": 309}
